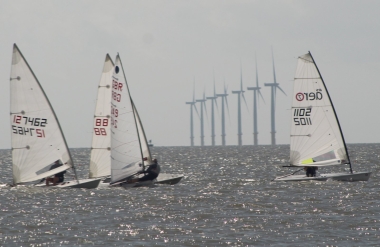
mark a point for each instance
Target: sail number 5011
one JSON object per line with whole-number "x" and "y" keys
{"x": 302, "y": 116}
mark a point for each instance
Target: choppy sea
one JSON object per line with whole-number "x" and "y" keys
{"x": 226, "y": 198}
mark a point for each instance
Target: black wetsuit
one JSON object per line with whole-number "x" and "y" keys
{"x": 311, "y": 171}
{"x": 60, "y": 175}
{"x": 151, "y": 173}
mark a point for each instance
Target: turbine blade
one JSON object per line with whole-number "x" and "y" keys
{"x": 274, "y": 71}
{"x": 242, "y": 94}
{"x": 194, "y": 90}
{"x": 257, "y": 74}
{"x": 204, "y": 104}
{"x": 216, "y": 103}
{"x": 261, "y": 96}
{"x": 241, "y": 77}
{"x": 196, "y": 110}
{"x": 214, "y": 85}
{"x": 228, "y": 109}
{"x": 281, "y": 90}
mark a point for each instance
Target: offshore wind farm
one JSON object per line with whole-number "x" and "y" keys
{"x": 219, "y": 119}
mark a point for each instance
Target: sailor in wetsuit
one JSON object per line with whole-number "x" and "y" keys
{"x": 150, "y": 174}
{"x": 59, "y": 177}
{"x": 311, "y": 171}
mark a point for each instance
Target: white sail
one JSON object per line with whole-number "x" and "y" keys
{"x": 144, "y": 143}
{"x": 100, "y": 161}
{"x": 316, "y": 138}
{"x": 37, "y": 139}
{"x": 126, "y": 155}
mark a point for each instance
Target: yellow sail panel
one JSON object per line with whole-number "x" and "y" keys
{"x": 307, "y": 161}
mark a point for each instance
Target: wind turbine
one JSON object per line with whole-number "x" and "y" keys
{"x": 203, "y": 104}
{"x": 240, "y": 92}
{"x": 213, "y": 99}
{"x": 256, "y": 92}
{"x": 273, "y": 86}
{"x": 224, "y": 98}
{"x": 192, "y": 105}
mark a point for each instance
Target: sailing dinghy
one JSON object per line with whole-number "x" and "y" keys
{"x": 127, "y": 158}
{"x": 37, "y": 138}
{"x": 100, "y": 159}
{"x": 130, "y": 152}
{"x": 316, "y": 138}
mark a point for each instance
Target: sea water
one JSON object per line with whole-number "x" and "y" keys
{"x": 227, "y": 198}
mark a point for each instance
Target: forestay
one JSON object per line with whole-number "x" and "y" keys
{"x": 316, "y": 138}
{"x": 37, "y": 139}
{"x": 100, "y": 162}
{"x": 126, "y": 155}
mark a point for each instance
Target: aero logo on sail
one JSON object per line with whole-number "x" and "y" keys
{"x": 310, "y": 96}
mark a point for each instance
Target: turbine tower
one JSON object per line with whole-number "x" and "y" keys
{"x": 240, "y": 93}
{"x": 192, "y": 105}
{"x": 213, "y": 99}
{"x": 273, "y": 86}
{"x": 203, "y": 104}
{"x": 256, "y": 92}
{"x": 224, "y": 98}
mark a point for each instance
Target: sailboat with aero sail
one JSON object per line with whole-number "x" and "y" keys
{"x": 37, "y": 137}
{"x": 316, "y": 137}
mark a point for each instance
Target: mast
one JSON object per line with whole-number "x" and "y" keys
{"x": 336, "y": 117}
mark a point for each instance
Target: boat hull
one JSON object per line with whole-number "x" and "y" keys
{"x": 132, "y": 185}
{"x": 347, "y": 177}
{"x": 80, "y": 184}
{"x": 163, "y": 178}
{"x": 166, "y": 178}
{"x": 350, "y": 177}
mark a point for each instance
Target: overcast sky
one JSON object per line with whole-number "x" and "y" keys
{"x": 165, "y": 45}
